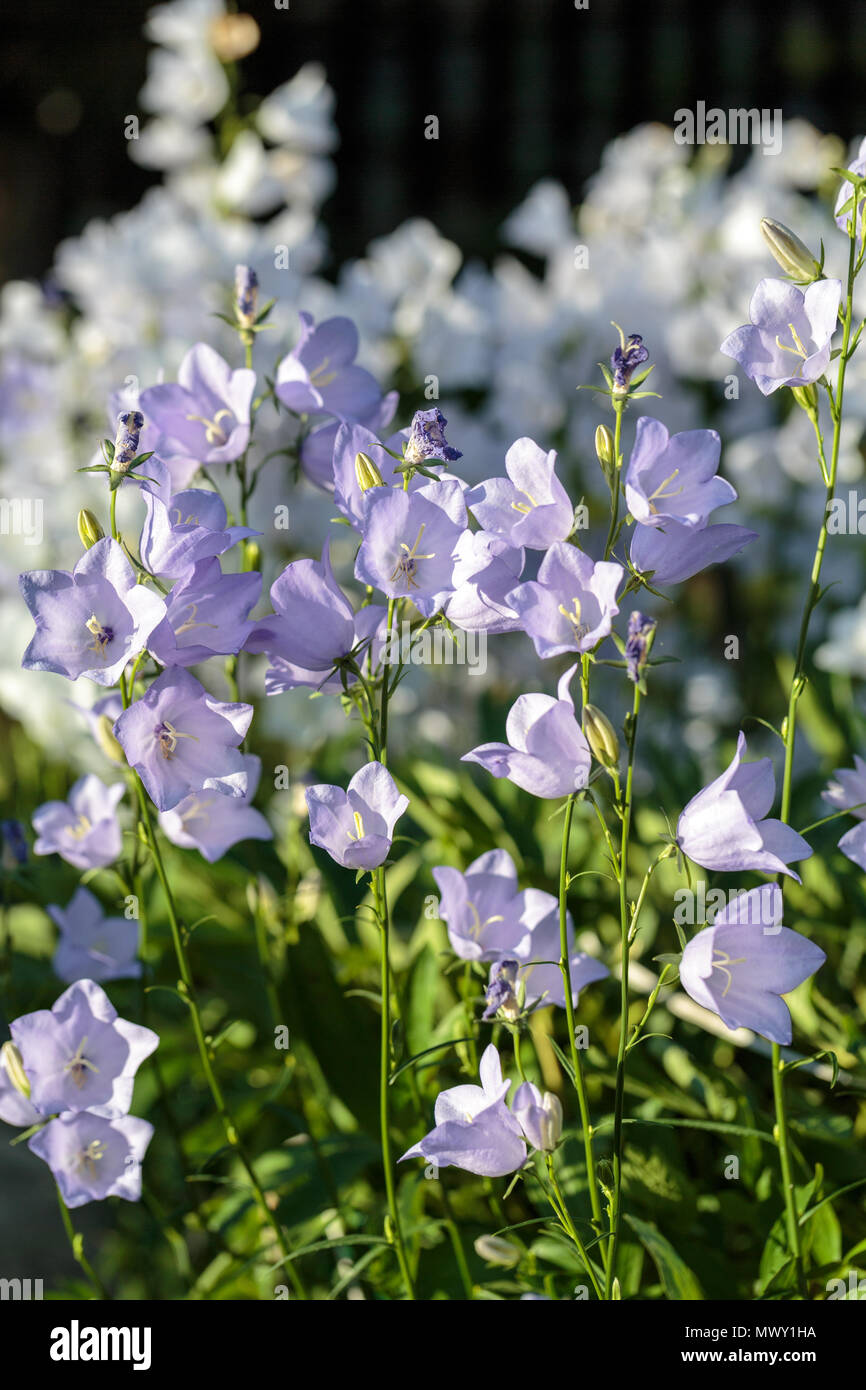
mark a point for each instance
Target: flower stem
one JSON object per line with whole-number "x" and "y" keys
{"x": 568, "y": 1225}
{"x": 625, "y": 931}
{"x": 619, "y": 407}
{"x": 76, "y": 1243}
{"x": 577, "y": 1066}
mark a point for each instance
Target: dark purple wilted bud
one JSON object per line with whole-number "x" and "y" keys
{"x": 501, "y": 991}
{"x": 130, "y": 423}
{"x": 246, "y": 294}
{"x": 427, "y": 439}
{"x": 641, "y": 631}
{"x": 14, "y": 845}
{"x": 626, "y": 358}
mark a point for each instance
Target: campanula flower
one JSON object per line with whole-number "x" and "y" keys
{"x": 410, "y": 543}
{"x": 91, "y": 945}
{"x": 848, "y": 793}
{"x": 638, "y": 639}
{"x": 857, "y": 166}
{"x": 725, "y": 827}
{"x": 741, "y": 965}
{"x": 427, "y": 442}
{"x": 485, "y": 570}
{"x": 356, "y": 826}
{"x": 184, "y": 527}
{"x": 318, "y": 447}
{"x": 318, "y": 377}
{"x": 678, "y": 552}
{"x": 572, "y": 603}
{"x": 179, "y": 739}
{"x": 787, "y": 342}
{"x": 482, "y": 906}
{"x": 673, "y": 477}
{"x": 475, "y": 1130}
{"x": 351, "y": 439}
{"x": 16, "y": 1107}
{"x": 90, "y": 622}
{"x": 206, "y": 413}
{"x": 528, "y": 508}
{"x": 313, "y": 627}
{"x": 539, "y": 1116}
{"x": 79, "y": 1055}
{"x": 207, "y": 613}
{"x": 538, "y": 949}
{"x": 93, "y": 1158}
{"x": 501, "y": 996}
{"x": 212, "y": 823}
{"x": 626, "y": 359}
{"x": 547, "y": 754}
{"x": 246, "y": 295}
{"x": 84, "y": 829}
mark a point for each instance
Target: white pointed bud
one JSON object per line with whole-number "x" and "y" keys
{"x": 497, "y": 1251}
{"x": 89, "y": 529}
{"x": 367, "y": 473}
{"x": 104, "y": 734}
{"x": 600, "y": 735}
{"x": 10, "y": 1058}
{"x": 791, "y": 253}
{"x": 604, "y": 447}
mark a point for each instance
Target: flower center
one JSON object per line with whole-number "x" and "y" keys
{"x": 320, "y": 376}
{"x": 167, "y": 736}
{"x": 478, "y": 926}
{"x": 407, "y": 565}
{"x": 664, "y": 491}
{"x": 78, "y": 1065}
{"x": 798, "y": 349}
{"x": 102, "y": 636}
{"x": 522, "y": 507}
{"x": 213, "y": 430}
{"x": 192, "y": 609}
{"x": 359, "y": 826}
{"x": 574, "y": 617}
{"x": 81, "y": 827}
{"x": 89, "y": 1157}
{"x": 723, "y": 962}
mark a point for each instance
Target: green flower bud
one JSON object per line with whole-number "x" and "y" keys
{"x": 367, "y": 473}
{"x": 104, "y": 735}
{"x": 10, "y": 1058}
{"x": 604, "y": 448}
{"x": 497, "y": 1251}
{"x": 89, "y": 529}
{"x": 252, "y": 555}
{"x": 793, "y": 256}
{"x": 806, "y": 397}
{"x": 601, "y": 736}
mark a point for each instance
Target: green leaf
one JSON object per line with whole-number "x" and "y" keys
{"x": 679, "y": 1281}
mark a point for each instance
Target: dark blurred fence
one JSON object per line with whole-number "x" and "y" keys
{"x": 522, "y": 88}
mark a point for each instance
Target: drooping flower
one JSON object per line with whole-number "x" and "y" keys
{"x": 677, "y": 552}
{"x": 207, "y": 613}
{"x": 92, "y": 1157}
{"x": 673, "y": 477}
{"x": 91, "y": 945}
{"x": 212, "y": 823}
{"x": 83, "y": 829}
{"x": 427, "y": 440}
{"x": 319, "y": 376}
{"x": 539, "y": 1116}
{"x": 313, "y": 627}
{"x": 547, "y": 753}
{"x": 90, "y": 622}
{"x": 787, "y": 342}
{"x": 356, "y": 826}
{"x": 741, "y": 965}
{"x": 206, "y": 413}
{"x": 179, "y": 739}
{"x": 485, "y": 572}
{"x": 725, "y": 825}
{"x": 410, "y": 543}
{"x": 475, "y": 1130}
{"x": 482, "y": 906}
{"x": 182, "y": 528}
{"x": 638, "y": 637}
{"x": 528, "y": 508}
{"x": 571, "y": 606}
{"x": 848, "y": 793}
{"x": 79, "y": 1055}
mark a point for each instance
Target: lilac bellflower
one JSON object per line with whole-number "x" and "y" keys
{"x": 725, "y": 826}
{"x": 485, "y": 571}
{"x": 356, "y": 826}
{"x": 674, "y": 477}
{"x": 319, "y": 376}
{"x": 475, "y": 1130}
{"x": 90, "y": 622}
{"x": 212, "y": 823}
{"x": 572, "y": 603}
{"x": 676, "y": 552}
{"x": 427, "y": 442}
{"x": 848, "y": 793}
{"x": 318, "y": 450}
{"x": 207, "y": 613}
{"x": 84, "y": 829}
{"x": 179, "y": 740}
{"x": 547, "y": 754}
{"x": 410, "y": 543}
{"x": 93, "y": 1158}
{"x": 182, "y": 528}
{"x": 528, "y": 508}
{"x": 481, "y": 907}
{"x": 91, "y": 945}
{"x": 206, "y": 413}
{"x": 787, "y": 342}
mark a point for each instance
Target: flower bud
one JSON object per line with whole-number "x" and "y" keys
{"x": 367, "y": 473}
{"x": 234, "y": 36}
{"x": 600, "y": 735}
{"x": 503, "y": 991}
{"x": 130, "y": 423}
{"x": 89, "y": 529}
{"x": 793, "y": 256}
{"x": 10, "y": 1058}
{"x": 639, "y": 640}
{"x": 497, "y": 1251}
{"x": 246, "y": 293}
{"x": 806, "y": 397}
{"x": 630, "y": 355}
{"x": 252, "y": 555}
{"x": 103, "y": 732}
{"x": 539, "y": 1116}
{"x": 13, "y": 845}
{"x": 604, "y": 448}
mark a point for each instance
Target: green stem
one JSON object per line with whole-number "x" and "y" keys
{"x": 76, "y": 1244}
{"x": 625, "y": 927}
{"x": 561, "y": 1210}
{"x": 619, "y": 407}
{"x": 577, "y": 1066}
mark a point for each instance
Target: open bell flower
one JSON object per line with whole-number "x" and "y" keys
{"x": 571, "y": 605}
{"x": 474, "y": 1129}
{"x": 675, "y": 552}
{"x": 84, "y": 829}
{"x": 212, "y": 823}
{"x": 79, "y": 1055}
{"x": 482, "y": 906}
{"x": 207, "y": 613}
{"x": 528, "y": 508}
{"x": 206, "y": 413}
{"x": 485, "y": 572}
{"x": 319, "y": 375}
{"x": 674, "y": 477}
{"x": 848, "y": 793}
{"x": 547, "y": 753}
{"x": 92, "y": 621}
{"x": 182, "y": 528}
{"x": 725, "y": 826}
{"x": 92, "y": 1157}
{"x": 91, "y": 945}
{"x": 356, "y": 826}
{"x": 741, "y": 965}
{"x": 179, "y": 740}
{"x": 787, "y": 342}
{"x": 410, "y": 543}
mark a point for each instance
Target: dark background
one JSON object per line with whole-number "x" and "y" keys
{"x": 522, "y": 89}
